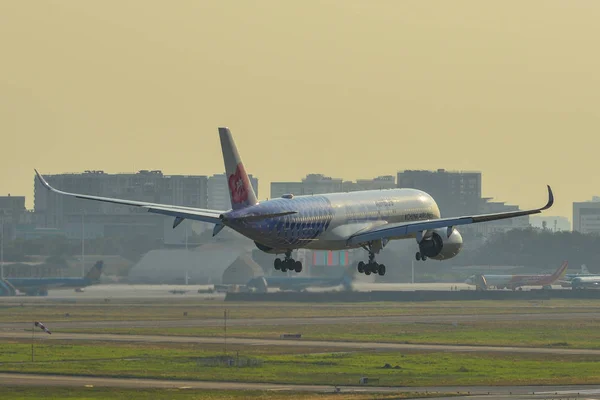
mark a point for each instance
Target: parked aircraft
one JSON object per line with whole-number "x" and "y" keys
{"x": 584, "y": 271}
{"x": 294, "y": 283}
{"x": 367, "y": 219}
{"x": 484, "y": 282}
{"x": 40, "y": 286}
{"x": 585, "y": 282}
{"x": 566, "y": 282}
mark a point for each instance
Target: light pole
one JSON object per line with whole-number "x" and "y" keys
{"x": 2, "y": 245}
{"x": 82, "y": 244}
{"x": 225, "y": 333}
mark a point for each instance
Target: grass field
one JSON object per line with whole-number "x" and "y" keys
{"x": 306, "y": 366}
{"x": 584, "y": 334}
{"x": 59, "y": 393}
{"x": 29, "y": 310}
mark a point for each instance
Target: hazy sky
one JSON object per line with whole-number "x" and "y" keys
{"x": 352, "y": 89}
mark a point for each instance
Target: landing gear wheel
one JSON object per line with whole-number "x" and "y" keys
{"x": 367, "y": 272}
{"x": 381, "y": 270}
{"x": 423, "y": 258}
{"x": 298, "y": 266}
{"x": 418, "y": 256}
{"x": 374, "y": 268}
{"x": 277, "y": 264}
{"x": 361, "y": 267}
{"x": 283, "y": 268}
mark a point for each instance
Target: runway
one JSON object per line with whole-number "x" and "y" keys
{"x": 12, "y": 379}
{"x": 300, "y": 343}
{"x": 444, "y": 318}
{"x": 153, "y": 291}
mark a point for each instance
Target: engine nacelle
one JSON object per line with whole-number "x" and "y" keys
{"x": 438, "y": 245}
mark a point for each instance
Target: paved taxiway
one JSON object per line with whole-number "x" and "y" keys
{"x": 487, "y": 392}
{"x": 445, "y": 318}
{"x": 145, "y": 291}
{"x": 300, "y": 343}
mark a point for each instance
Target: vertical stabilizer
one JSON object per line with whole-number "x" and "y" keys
{"x": 240, "y": 190}
{"x": 560, "y": 272}
{"x": 94, "y": 273}
{"x": 584, "y": 270}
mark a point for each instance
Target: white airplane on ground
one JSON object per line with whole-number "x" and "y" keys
{"x": 587, "y": 279}
{"x": 584, "y": 271}
{"x": 367, "y": 219}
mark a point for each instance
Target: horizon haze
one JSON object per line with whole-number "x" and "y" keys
{"x": 350, "y": 89}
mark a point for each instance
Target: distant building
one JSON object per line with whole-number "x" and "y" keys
{"x": 456, "y": 192}
{"x": 552, "y": 223}
{"x": 278, "y": 189}
{"x": 502, "y": 225}
{"x": 12, "y": 213}
{"x": 12, "y": 205}
{"x": 586, "y": 216}
{"x": 321, "y": 184}
{"x": 311, "y": 184}
{"x": 78, "y": 217}
{"x": 379, "y": 183}
{"x": 218, "y": 192}
{"x": 318, "y": 184}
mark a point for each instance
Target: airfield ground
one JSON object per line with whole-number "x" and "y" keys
{"x": 443, "y": 347}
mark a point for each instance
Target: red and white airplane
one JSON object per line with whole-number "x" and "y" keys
{"x": 484, "y": 282}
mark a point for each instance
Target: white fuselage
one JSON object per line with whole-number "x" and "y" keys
{"x": 327, "y": 221}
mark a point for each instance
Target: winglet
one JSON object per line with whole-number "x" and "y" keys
{"x": 550, "y": 199}
{"x": 42, "y": 180}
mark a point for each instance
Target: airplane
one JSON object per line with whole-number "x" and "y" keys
{"x": 484, "y": 282}
{"x": 40, "y": 286}
{"x": 582, "y": 272}
{"x": 585, "y": 282}
{"x": 336, "y": 221}
{"x": 262, "y": 283}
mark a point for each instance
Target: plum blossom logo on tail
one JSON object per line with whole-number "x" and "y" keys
{"x": 237, "y": 185}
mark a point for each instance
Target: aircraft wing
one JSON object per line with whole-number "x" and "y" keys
{"x": 404, "y": 229}
{"x": 180, "y": 213}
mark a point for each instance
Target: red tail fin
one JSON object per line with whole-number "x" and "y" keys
{"x": 240, "y": 189}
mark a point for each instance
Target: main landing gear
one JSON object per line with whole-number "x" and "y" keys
{"x": 288, "y": 263}
{"x": 371, "y": 267}
{"x": 420, "y": 256}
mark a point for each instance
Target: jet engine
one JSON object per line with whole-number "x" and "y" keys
{"x": 437, "y": 244}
